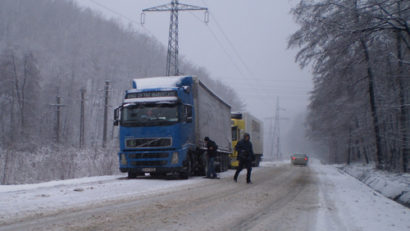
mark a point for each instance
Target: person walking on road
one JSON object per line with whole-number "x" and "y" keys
{"x": 211, "y": 152}
{"x": 245, "y": 157}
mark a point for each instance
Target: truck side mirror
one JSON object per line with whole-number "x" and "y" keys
{"x": 116, "y": 116}
{"x": 188, "y": 113}
{"x": 187, "y": 89}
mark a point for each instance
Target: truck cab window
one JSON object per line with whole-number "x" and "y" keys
{"x": 149, "y": 115}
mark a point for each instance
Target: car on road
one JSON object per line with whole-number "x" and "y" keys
{"x": 299, "y": 159}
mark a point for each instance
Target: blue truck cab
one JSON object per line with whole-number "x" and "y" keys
{"x": 156, "y": 126}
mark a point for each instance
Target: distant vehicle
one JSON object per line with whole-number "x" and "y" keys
{"x": 162, "y": 123}
{"x": 299, "y": 159}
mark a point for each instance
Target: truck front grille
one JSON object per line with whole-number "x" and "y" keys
{"x": 149, "y": 163}
{"x": 148, "y": 142}
{"x": 148, "y": 155}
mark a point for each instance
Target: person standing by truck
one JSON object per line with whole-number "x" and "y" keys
{"x": 245, "y": 157}
{"x": 211, "y": 154}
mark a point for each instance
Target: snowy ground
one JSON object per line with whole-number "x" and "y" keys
{"x": 31, "y": 200}
{"x": 20, "y": 201}
{"x": 357, "y": 206}
{"x": 395, "y": 186}
{"x": 333, "y": 199}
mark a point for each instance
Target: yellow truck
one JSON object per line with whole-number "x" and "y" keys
{"x": 244, "y": 122}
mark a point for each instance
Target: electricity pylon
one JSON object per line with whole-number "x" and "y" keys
{"x": 174, "y": 7}
{"x": 274, "y": 132}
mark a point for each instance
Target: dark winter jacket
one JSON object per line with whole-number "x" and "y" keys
{"x": 245, "y": 150}
{"x": 211, "y": 148}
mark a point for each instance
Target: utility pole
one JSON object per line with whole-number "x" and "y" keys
{"x": 107, "y": 86}
{"x": 82, "y": 122}
{"x": 58, "y": 106}
{"x": 174, "y": 7}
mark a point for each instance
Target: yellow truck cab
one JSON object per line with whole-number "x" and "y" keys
{"x": 243, "y": 122}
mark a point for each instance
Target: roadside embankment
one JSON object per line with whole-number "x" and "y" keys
{"x": 395, "y": 186}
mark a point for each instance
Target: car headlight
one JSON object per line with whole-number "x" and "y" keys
{"x": 123, "y": 159}
{"x": 174, "y": 158}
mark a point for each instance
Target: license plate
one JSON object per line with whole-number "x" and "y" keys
{"x": 148, "y": 169}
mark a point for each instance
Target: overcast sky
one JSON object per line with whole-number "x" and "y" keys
{"x": 244, "y": 45}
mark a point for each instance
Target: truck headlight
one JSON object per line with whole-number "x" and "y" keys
{"x": 174, "y": 158}
{"x": 123, "y": 159}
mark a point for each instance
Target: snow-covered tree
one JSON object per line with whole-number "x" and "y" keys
{"x": 358, "y": 50}
{"x": 52, "y": 49}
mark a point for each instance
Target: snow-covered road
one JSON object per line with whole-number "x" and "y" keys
{"x": 283, "y": 197}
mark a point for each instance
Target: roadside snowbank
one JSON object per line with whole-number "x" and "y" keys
{"x": 48, "y": 163}
{"x": 395, "y": 186}
{"x": 347, "y": 204}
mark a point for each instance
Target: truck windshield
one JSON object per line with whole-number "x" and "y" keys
{"x": 149, "y": 115}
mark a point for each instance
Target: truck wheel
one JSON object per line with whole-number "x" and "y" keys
{"x": 132, "y": 175}
{"x": 188, "y": 171}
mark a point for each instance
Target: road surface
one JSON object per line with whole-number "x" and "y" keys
{"x": 282, "y": 197}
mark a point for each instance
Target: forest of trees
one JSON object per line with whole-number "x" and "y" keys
{"x": 359, "y": 51}
{"x": 51, "y": 49}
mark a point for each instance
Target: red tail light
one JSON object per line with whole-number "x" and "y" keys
{"x": 305, "y": 158}
{"x": 293, "y": 158}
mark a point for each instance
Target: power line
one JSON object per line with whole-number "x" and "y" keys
{"x": 273, "y": 80}
{"x": 245, "y": 77}
{"x": 237, "y": 54}
{"x": 122, "y": 16}
{"x": 141, "y": 22}
{"x": 230, "y": 58}
{"x": 232, "y": 46}
{"x": 251, "y": 79}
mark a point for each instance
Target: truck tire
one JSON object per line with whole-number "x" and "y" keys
{"x": 132, "y": 175}
{"x": 188, "y": 171}
{"x": 201, "y": 165}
